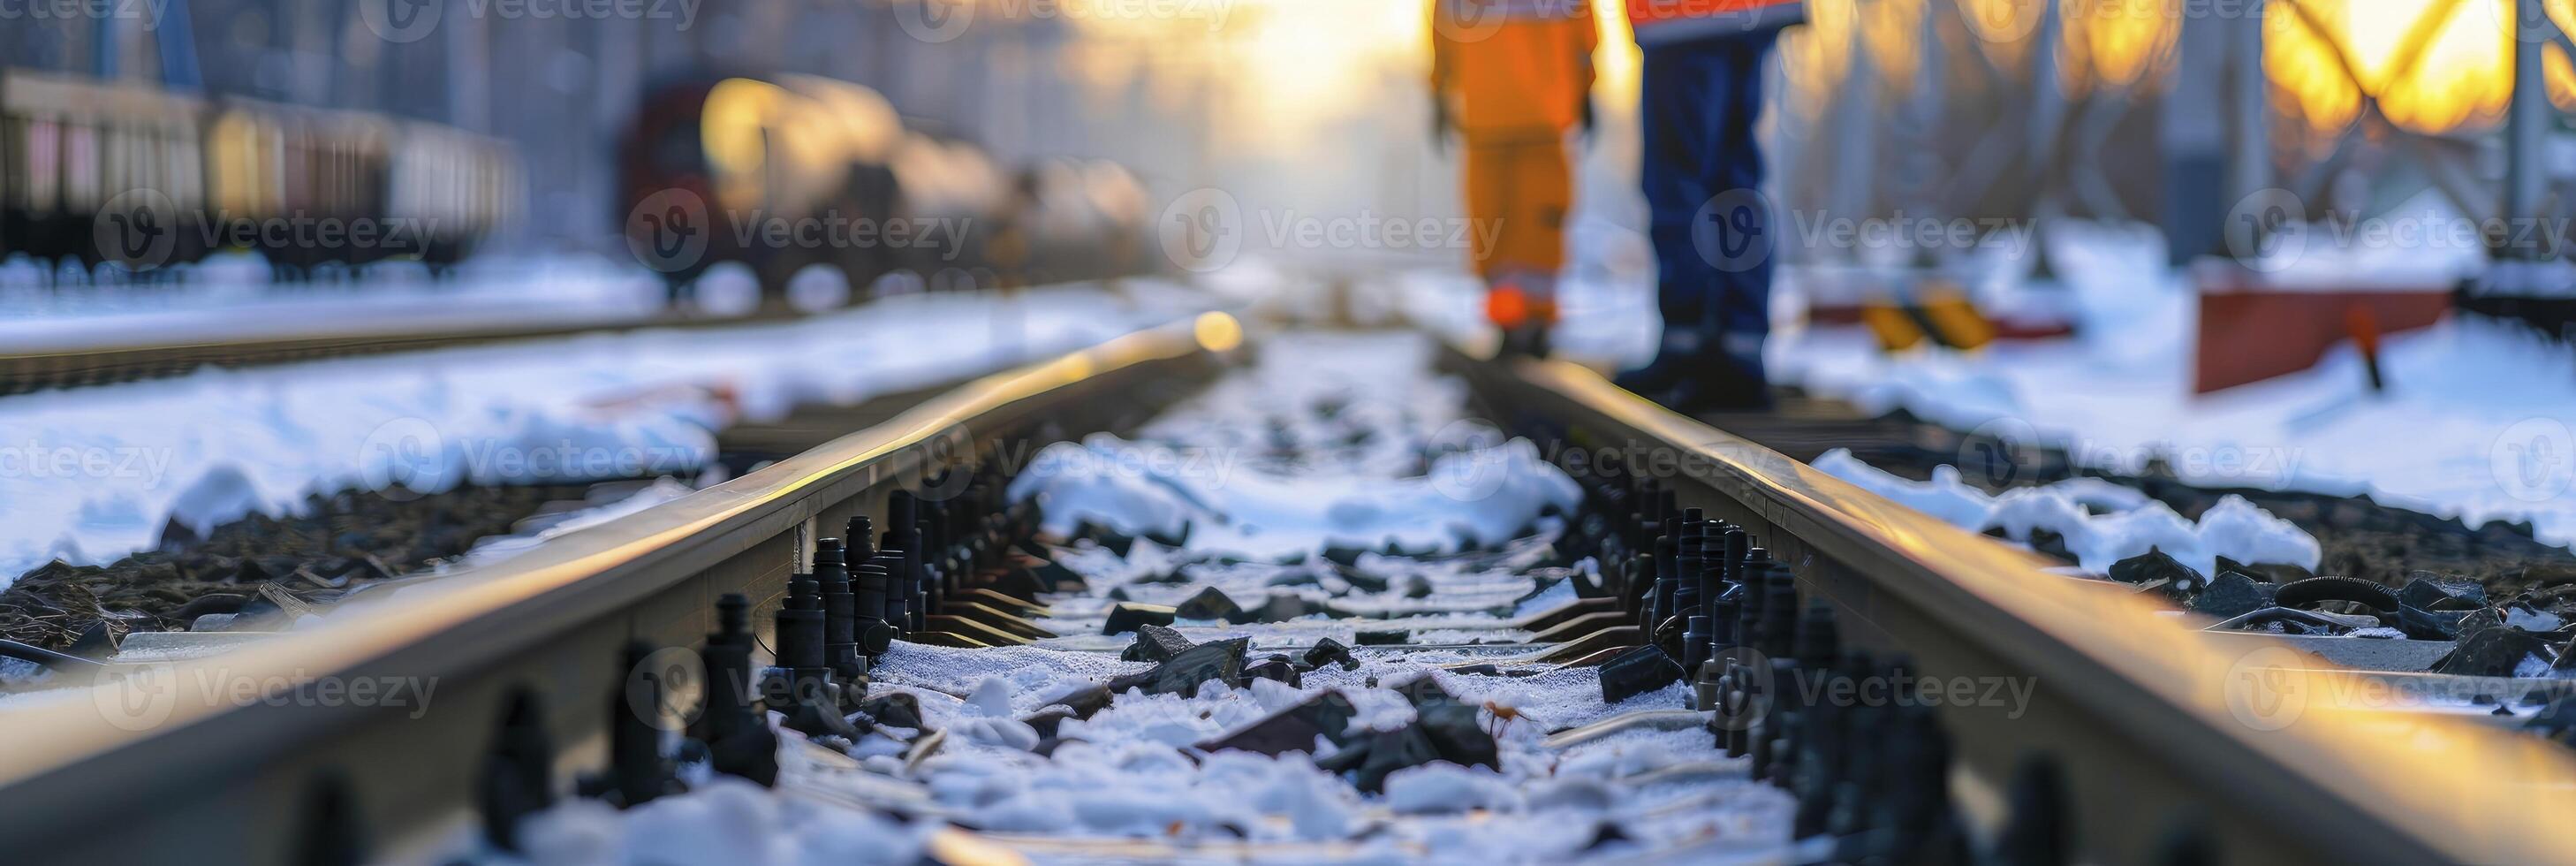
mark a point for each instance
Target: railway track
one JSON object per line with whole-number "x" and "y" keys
{"x": 22, "y": 371}
{"x": 2090, "y": 727}
{"x": 239, "y": 344}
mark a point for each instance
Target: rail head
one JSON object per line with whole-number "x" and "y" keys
{"x": 74, "y": 752}
{"x": 2337, "y": 777}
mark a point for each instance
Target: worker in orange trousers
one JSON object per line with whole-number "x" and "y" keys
{"x": 1512, "y": 78}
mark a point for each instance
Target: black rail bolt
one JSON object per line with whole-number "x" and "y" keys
{"x": 739, "y": 741}
{"x": 518, "y": 772}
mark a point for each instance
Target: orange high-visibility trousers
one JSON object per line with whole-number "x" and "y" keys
{"x": 1514, "y": 77}
{"x": 1519, "y": 189}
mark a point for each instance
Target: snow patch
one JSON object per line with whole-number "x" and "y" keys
{"x": 2132, "y": 524}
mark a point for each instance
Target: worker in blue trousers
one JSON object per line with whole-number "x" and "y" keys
{"x": 1712, "y": 228}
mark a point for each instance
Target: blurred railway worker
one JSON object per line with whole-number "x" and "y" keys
{"x": 1712, "y": 229}
{"x": 1511, "y": 78}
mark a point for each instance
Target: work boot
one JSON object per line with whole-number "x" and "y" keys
{"x": 1674, "y": 361}
{"x": 1523, "y": 308}
{"x": 1530, "y": 339}
{"x": 1718, "y": 384}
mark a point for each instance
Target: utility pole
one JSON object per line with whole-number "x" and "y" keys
{"x": 2213, "y": 159}
{"x": 2527, "y": 120}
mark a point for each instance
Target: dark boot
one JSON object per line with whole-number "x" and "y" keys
{"x": 1720, "y": 383}
{"x": 1673, "y": 363}
{"x": 1529, "y": 340}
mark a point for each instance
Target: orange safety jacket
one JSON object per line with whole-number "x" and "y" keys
{"x": 1512, "y": 67}
{"x": 1668, "y": 22}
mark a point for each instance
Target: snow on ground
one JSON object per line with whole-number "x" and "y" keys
{"x": 1235, "y": 476}
{"x": 2478, "y": 422}
{"x": 91, "y": 474}
{"x": 2101, "y": 522}
{"x": 2475, "y": 423}
{"x": 1131, "y": 772}
{"x": 1290, "y": 422}
{"x": 723, "y": 820}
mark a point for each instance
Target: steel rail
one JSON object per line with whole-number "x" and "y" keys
{"x": 31, "y": 368}
{"x": 23, "y": 370}
{"x": 241, "y": 757}
{"x": 2154, "y": 722}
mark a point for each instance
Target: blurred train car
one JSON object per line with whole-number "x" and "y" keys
{"x": 460, "y": 186}
{"x": 801, "y": 150}
{"x": 950, "y": 183}
{"x": 711, "y": 169}
{"x": 308, "y": 188}
{"x": 71, "y": 149}
{"x": 290, "y": 182}
{"x": 1079, "y": 219}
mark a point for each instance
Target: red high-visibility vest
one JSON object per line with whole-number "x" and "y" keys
{"x": 1666, "y": 22}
